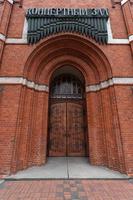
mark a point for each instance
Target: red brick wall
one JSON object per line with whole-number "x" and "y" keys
{"x": 9, "y": 105}
{"x": 116, "y": 15}
{"x": 104, "y": 134}
{"x": 31, "y": 130}
{"x": 24, "y": 111}
{"x": 124, "y": 95}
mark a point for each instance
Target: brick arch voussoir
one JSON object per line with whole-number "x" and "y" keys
{"x": 44, "y": 74}
{"x": 46, "y": 48}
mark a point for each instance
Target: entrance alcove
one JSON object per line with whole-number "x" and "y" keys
{"x": 68, "y": 134}
{"x": 57, "y": 56}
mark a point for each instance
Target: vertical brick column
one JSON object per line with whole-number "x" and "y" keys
{"x": 97, "y": 144}
{"x": 128, "y": 16}
{"x": 9, "y": 107}
{"x": 4, "y": 24}
{"x": 30, "y": 147}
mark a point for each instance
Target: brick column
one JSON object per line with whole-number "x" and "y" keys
{"x": 4, "y": 24}
{"x": 128, "y": 16}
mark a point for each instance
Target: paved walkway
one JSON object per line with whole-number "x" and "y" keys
{"x": 67, "y": 190}
{"x": 68, "y": 168}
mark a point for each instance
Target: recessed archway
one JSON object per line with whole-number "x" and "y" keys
{"x": 101, "y": 106}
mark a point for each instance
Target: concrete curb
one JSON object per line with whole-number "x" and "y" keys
{"x": 34, "y": 179}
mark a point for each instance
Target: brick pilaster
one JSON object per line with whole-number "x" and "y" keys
{"x": 128, "y": 16}
{"x": 4, "y": 24}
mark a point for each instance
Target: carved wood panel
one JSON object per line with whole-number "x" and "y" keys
{"x": 57, "y": 129}
{"x": 75, "y": 130}
{"x": 66, "y": 129}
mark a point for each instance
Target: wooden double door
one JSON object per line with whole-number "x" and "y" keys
{"x": 67, "y": 135}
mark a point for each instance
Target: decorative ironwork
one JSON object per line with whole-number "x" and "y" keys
{"x": 43, "y": 22}
{"x": 66, "y": 86}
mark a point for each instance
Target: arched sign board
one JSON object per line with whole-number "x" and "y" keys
{"x": 43, "y": 22}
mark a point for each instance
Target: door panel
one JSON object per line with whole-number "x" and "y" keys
{"x": 75, "y": 130}
{"x": 66, "y": 130}
{"x": 57, "y": 140}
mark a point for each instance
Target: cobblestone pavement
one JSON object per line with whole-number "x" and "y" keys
{"x": 67, "y": 190}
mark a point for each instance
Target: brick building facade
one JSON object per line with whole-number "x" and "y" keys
{"x": 27, "y": 72}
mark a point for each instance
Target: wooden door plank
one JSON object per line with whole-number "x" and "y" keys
{"x": 75, "y": 130}
{"x": 57, "y": 130}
